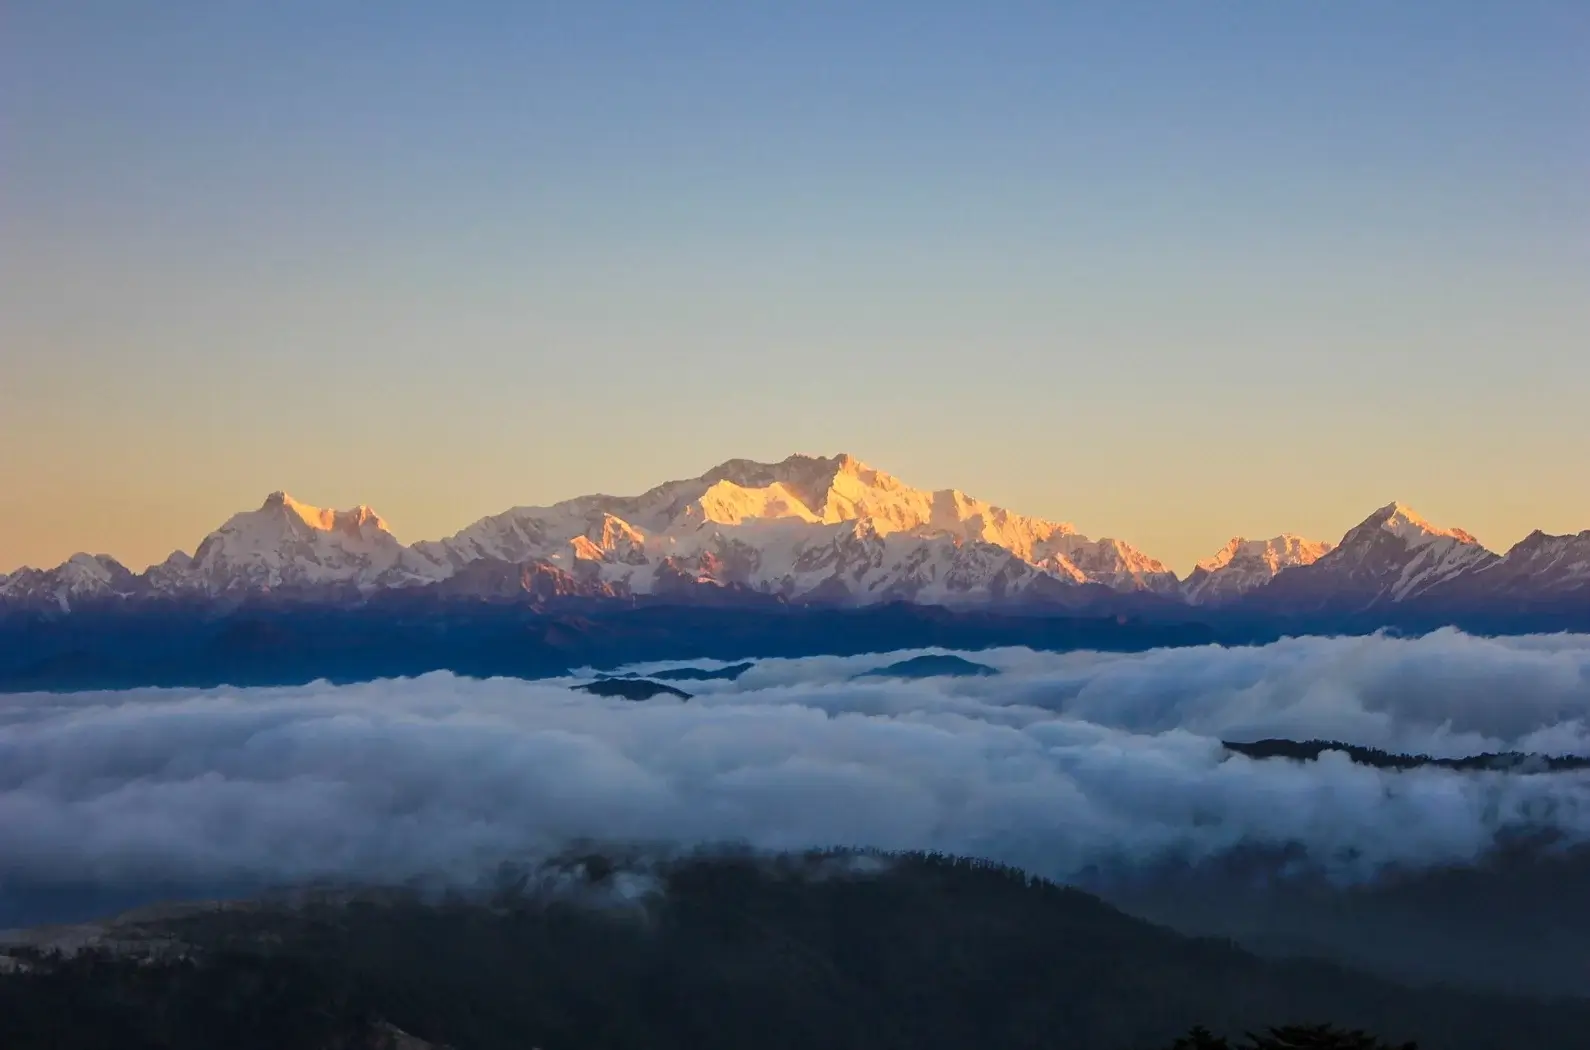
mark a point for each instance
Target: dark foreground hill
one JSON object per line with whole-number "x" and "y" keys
{"x": 1516, "y": 920}
{"x": 830, "y": 950}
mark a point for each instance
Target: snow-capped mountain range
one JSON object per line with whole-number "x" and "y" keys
{"x": 808, "y": 529}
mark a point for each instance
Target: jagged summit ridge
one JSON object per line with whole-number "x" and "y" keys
{"x": 1407, "y": 525}
{"x": 1244, "y": 565}
{"x": 353, "y": 521}
{"x": 807, "y": 526}
{"x": 288, "y": 544}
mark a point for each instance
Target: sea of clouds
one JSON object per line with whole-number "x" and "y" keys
{"x": 1059, "y": 762}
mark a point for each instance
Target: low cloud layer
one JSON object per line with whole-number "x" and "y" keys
{"x": 1059, "y": 762}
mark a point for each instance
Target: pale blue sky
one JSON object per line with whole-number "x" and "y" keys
{"x": 1171, "y": 271}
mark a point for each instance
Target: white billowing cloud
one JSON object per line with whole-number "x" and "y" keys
{"x": 1061, "y": 761}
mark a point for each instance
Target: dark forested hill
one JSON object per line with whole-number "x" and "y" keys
{"x": 826, "y": 950}
{"x": 1503, "y": 761}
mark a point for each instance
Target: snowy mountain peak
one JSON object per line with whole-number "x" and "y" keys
{"x": 290, "y": 544}
{"x": 82, "y": 576}
{"x": 1404, "y": 522}
{"x": 355, "y": 520}
{"x": 1276, "y": 553}
{"x": 1391, "y": 556}
{"x": 91, "y": 568}
{"x": 827, "y": 487}
{"x": 1244, "y": 564}
{"x": 1542, "y": 540}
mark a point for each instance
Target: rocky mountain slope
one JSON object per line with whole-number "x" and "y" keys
{"x": 1537, "y": 569}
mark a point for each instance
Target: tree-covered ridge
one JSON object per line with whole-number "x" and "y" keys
{"x": 827, "y": 949}
{"x": 1289, "y": 1037}
{"x": 1505, "y": 761}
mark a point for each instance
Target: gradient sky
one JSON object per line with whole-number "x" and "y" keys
{"x": 1170, "y": 271}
